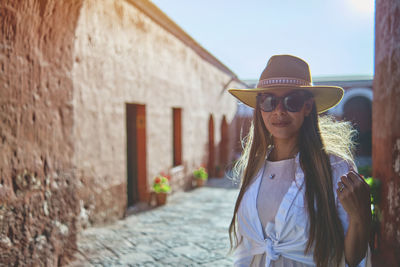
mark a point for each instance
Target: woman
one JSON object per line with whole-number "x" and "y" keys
{"x": 301, "y": 203}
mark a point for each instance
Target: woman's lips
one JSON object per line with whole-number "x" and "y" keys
{"x": 281, "y": 124}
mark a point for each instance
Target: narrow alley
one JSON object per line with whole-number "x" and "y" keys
{"x": 190, "y": 230}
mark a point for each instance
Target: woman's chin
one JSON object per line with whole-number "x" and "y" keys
{"x": 283, "y": 134}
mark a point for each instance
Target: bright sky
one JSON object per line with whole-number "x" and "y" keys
{"x": 336, "y": 37}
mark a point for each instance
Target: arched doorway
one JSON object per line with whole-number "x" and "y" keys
{"x": 211, "y": 152}
{"x": 358, "y": 110}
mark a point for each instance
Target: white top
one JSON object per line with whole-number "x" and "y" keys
{"x": 284, "y": 240}
{"x": 277, "y": 178}
{"x": 269, "y": 198}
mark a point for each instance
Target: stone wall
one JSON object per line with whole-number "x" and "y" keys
{"x": 123, "y": 56}
{"x": 386, "y": 125}
{"x": 38, "y": 207}
{"x": 67, "y": 69}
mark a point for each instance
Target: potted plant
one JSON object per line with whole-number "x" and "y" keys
{"x": 161, "y": 187}
{"x": 200, "y": 175}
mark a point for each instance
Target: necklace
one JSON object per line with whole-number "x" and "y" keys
{"x": 271, "y": 176}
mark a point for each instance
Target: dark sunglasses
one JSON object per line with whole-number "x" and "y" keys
{"x": 292, "y": 102}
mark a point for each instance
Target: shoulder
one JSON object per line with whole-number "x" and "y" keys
{"x": 340, "y": 165}
{"x": 340, "y": 162}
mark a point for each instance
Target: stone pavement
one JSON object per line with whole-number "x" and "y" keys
{"x": 190, "y": 230}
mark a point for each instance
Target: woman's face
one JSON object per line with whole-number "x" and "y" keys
{"x": 281, "y": 123}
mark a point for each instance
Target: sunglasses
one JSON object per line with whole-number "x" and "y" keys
{"x": 292, "y": 102}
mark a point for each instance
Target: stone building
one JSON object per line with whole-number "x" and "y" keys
{"x": 356, "y": 106}
{"x": 97, "y": 98}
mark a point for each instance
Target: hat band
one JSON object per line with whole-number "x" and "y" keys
{"x": 282, "y": 81}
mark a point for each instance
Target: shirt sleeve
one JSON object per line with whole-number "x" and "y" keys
{"x": 341, "y": 168}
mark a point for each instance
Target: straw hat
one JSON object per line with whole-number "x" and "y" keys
{"x": 286, "y": 71}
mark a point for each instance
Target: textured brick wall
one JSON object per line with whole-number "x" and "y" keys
{"x": 386, "y": 124}
{"x": 37, "y": 204}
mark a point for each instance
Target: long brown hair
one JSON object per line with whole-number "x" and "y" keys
{"x": 319, "y": 136}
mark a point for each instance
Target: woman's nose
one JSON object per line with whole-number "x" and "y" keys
{"x": 280, "y": 107}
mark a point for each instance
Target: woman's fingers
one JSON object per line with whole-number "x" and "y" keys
{"x": 360, "y": 178}
{"x": 346, "y": 181}
{"x": 352, "y": 178}
{"x": 357, "y": 180}
{"x": 340, "y": 189}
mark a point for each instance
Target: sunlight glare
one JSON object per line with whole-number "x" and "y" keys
{"x": 364, "y": 7}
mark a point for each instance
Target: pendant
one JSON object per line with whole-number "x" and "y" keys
{"x": 272, "y": 176}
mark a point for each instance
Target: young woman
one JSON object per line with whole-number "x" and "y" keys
{"x": 301, "y": 201}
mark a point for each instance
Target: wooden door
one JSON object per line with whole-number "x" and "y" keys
{"x": 136, "y": 153}
{"x": 223, "y": 150}
{"x": 211, "y": 152}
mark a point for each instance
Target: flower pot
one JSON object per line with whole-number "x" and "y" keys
{"x": 161, "y": 199}
{"x": 200, "y": 182}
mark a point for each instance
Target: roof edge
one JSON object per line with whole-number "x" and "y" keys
{"x": 158, "y": 16}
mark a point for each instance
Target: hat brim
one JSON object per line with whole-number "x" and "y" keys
{"x": 325, "y": 97}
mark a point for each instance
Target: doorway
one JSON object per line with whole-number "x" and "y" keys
{"x": 211, "y": 158}
{"x": 223, "y": 151}
{"x": 358, "y": 110}
{"x": 136, "y": 153}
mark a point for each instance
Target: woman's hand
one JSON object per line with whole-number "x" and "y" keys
{"x": 354, "y": 195}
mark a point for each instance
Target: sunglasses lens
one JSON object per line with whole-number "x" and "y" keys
{"x": 293, "y": 102}
{"x": 267, "y": 103}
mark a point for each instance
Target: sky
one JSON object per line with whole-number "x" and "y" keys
{"x": 335, "y": 37}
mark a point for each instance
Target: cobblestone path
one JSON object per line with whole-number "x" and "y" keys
{"x": 190, "y": 230}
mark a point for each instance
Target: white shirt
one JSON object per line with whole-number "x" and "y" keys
{"x": 275, "y": 182}
{"x": 286, "y": 238}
